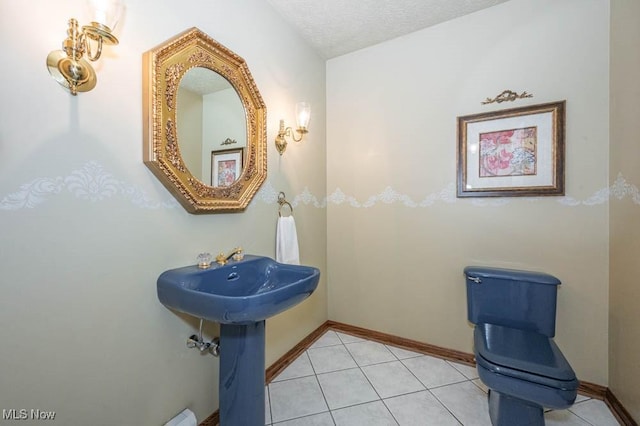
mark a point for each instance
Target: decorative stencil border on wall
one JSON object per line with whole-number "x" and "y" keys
{"x": 92, "y": 183}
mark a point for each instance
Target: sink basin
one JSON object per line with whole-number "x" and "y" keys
{"x": 240, "y": 292}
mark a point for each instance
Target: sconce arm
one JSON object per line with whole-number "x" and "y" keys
{"x": 283, "y": 133}
{"x": 88, "y": 47}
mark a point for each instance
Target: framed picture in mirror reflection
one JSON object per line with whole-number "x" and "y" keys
{"x": 226, "y": 166}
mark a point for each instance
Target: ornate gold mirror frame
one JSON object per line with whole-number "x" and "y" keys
{"x": 163, "y": 68}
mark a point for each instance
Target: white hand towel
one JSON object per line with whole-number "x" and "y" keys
{"x": 287, "y": 250}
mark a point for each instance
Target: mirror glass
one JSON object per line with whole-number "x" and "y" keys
{"x": 211, "y": 126}
{"x": 204, "y": 124}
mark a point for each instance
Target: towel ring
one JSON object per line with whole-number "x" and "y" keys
{"x": 282, "y": 200}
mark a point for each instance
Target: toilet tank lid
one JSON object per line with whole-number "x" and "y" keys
{"x": 510, "y": 275}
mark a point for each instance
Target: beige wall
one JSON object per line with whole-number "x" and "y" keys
{"x": 398, "y": 239}
{"x": 86, "y": 228}
{"x": 189, "y": 119}
{"x": 624, "y": 292}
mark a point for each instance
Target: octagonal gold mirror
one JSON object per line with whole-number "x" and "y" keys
{"x": 204, "y": 124}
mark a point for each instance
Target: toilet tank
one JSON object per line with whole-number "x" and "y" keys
{"x": 518, "y": 299}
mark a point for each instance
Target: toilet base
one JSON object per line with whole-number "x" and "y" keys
{"x": 506, "y": 410}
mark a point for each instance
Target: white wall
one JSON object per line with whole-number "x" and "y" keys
{"x": 624, "y": 315}
{"x": 225, "y": 105}
{"x": 190, "y": 132}
{"x": 398, "y": 238}
{"x": 86, "y": 228}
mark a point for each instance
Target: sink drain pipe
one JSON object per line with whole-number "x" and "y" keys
{"x": 196, "y": 341}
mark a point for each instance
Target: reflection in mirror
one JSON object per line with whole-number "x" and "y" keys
{"x": 210, "y": 121}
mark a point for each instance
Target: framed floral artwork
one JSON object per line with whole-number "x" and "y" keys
{"x": 514, "y": 152}
{"x": 226, "y": 166}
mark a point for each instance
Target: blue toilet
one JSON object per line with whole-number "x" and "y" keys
{"x": 515, "y": 317}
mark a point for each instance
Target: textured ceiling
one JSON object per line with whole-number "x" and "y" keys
{"x": 336, "y": 27}
{"x": 203, "y": 81}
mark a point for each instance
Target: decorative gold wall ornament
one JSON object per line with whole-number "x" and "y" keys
{"x": 163, "y": 68}
{"x": 507, "y": 96}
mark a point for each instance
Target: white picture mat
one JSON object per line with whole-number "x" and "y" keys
{"x": 219, "y": 158}
{"x": 544, "y": 153}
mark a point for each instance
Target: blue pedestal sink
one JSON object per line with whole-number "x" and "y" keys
{"x": 240, "y": 296}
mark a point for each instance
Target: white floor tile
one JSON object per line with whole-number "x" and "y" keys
{"x": 330, "y": 358}
{"x": 402, "y": 353}
{"x": 466, "y": 401}
{"x": 420, "y": 409}
{"x": 300, "y": 367}
{"x": 370, "y": 414}
{"x": 581, "y": 398}
{"x": 329, "y": 338}
{"x": 433, "y": 372}
{"x": 563, "y": 418}
{"x": 322, "y": 419}
{"x": 468, "y": 371}
{"x": 346, "y": 387}
{"x": 367, "y": 353}
{"x": 347, "y": 338}
{"x": 481, "y": 385}
{"x": 392, "y": 379}
{"x": 296, "y": 398}
{"x": 595, "y": 412}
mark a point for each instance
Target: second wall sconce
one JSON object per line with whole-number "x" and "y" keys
{"x": 303, "y": 114}
{"x": 69, "y": 66}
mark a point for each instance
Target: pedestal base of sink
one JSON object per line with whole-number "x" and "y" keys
{"x": 242, "y": 374}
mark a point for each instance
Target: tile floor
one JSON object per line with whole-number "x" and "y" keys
{"x": 347, "y": 381}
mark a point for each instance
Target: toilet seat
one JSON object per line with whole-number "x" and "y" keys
{"x": 523, "y": 354}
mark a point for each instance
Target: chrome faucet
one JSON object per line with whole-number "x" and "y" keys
{"x": 236, "y": 254}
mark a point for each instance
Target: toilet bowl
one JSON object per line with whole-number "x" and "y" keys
{"x": 517, "y": 359}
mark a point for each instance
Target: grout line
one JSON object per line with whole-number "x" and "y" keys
{"x": 315, "y": 373}
{"x": 270, "y": 409}
{"x": 452, "y": 383}
{"x": 446, "y": 408}
{"x": 323, "y": 395}
{"x": 582, "y": 418}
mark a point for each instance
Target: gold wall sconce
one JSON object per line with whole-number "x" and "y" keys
{"x": 69, "y": 66}
{"x": 303, "y": 114}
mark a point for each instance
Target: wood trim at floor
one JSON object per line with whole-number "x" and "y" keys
{"x": 286, "y": 359}
{"x": 401, "y": 342}
{"x": 212, "y": 420}
{"x": 618, "y": 410}
{"x": 587, "y": 389}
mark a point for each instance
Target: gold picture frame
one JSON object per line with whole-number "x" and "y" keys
{"x": 513, "y": 152}
{"x": 226, "y": 166}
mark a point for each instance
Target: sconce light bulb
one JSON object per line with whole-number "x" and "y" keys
{"x": 303, "y": 114}
{"x": 106, "y": 12}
